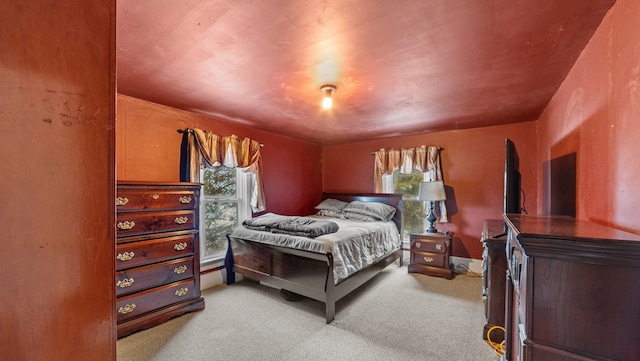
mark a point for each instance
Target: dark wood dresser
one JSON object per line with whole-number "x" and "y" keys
{"x": 429, "y": 254}
{"x": 573, "y": 290}
{"x": 494, "y": 276}
{"x": 157, "y": 253}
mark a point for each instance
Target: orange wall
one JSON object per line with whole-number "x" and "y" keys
{"x": 596, "y": 113}
{"x": 57, "y": 191}
{"x": 473, "y": 165}
{"x": 148, "y": 148}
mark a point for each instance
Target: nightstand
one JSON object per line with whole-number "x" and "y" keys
{"x": 429, "y": 254}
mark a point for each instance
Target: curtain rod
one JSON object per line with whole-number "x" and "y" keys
{"x": 181, "y": 131}
{"x": 439, "y": 149}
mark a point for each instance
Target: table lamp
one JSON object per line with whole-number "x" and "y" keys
{"x": 431, "y": 192}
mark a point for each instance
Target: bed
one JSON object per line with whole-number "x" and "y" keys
{"x": 312, "y": 273}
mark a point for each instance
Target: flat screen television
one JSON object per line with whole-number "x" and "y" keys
{"x": 511, "y": 178}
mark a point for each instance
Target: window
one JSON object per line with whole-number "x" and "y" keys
{"x": 413, "y": 210}
{"x": 224, "y": 205}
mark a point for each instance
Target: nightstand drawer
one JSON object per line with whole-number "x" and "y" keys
{"x": 430, "y": 259}
{"x": 433, "y": 246}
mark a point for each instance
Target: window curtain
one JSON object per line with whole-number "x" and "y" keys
{"x": 424, "y": 159}
{"x": 230, "y": 151}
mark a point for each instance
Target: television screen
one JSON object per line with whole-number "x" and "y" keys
{"x": 511, "y": 178}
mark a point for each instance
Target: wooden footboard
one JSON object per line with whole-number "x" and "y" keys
{"x": 305, "y": 273}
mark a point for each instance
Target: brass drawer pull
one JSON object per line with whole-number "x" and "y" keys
{"x": 126, "y": 309}
{"x": 180, "y": 246}
{"x": 418, "y": 244}
{"x": 184, "y": 199}
{"x": 180, "y": 270}
{"x": 126, "y": 225}
{"x": 155, "y": 196}
{"x": 121, "y": 201}
{"x": 428, "y": 259}
{"x": 439, "y": 247}
{"x": 126, "y": 256}
{"x": 182, "y": 220}
{"x": 181, "y": 292}
{"x": 124, "y": 283}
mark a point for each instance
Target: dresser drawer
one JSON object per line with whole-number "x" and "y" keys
{"x": 134, "y": 223}
{"x": 158, "y": 199}
{"x": 430, "y": 259}
{"x": 139, "y": 253}
{"x": 427, "y": 245}
{"x": 150, "y": 300}
{"x": 142, "y": 278}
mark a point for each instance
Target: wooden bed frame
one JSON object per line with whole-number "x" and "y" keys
{"x": 303, "y": 272}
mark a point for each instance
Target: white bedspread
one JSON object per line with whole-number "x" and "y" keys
{"x": 354, "y": 246}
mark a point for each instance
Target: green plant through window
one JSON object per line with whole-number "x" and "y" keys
{"x": 220, "y": 208}
{"x": 412, "y": 209}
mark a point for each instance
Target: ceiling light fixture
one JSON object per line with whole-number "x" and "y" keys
{"x": 327, "y": 90}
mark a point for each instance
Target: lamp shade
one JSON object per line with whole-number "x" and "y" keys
{"x": 432, "y": 191}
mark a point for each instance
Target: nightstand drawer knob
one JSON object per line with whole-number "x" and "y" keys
{"x": 126, "y": 309}
{"x": 184, "y": 199}
{"x": 124, "y": 283}
{"x": 418, "y": 244}
{"x": 155, "y": 196}
{"x": 121, "y": 201}
{"x": 428, "y": 259}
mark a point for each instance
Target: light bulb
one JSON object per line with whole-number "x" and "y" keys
{"x": 326, "y": 102}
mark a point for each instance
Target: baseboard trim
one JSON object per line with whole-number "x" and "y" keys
{"x": 471, "y": 265}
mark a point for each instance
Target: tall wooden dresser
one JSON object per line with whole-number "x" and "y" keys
{"x": 157, "y": 253}
{"x": 573, "y": 290}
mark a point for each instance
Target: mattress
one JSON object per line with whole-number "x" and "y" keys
{"x": 354, "y": 246}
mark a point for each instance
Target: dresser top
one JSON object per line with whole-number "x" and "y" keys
{"x": 566, "y": 227}
{"x": 129, "y": 183}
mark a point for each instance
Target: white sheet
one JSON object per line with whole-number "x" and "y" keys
{"x": 354, "y": 246}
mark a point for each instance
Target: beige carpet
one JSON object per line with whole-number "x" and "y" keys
{"x": 396, "y": 316}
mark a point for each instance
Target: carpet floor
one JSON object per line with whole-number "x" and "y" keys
{"x": 395, "y": 316}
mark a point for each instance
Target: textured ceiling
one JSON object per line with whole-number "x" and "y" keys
{"x": 401, "y": 67}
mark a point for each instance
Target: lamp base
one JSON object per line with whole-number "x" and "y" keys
{"x": 431, "y": 218}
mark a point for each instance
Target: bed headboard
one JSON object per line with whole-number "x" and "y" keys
{"x": 392, "y": 199}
